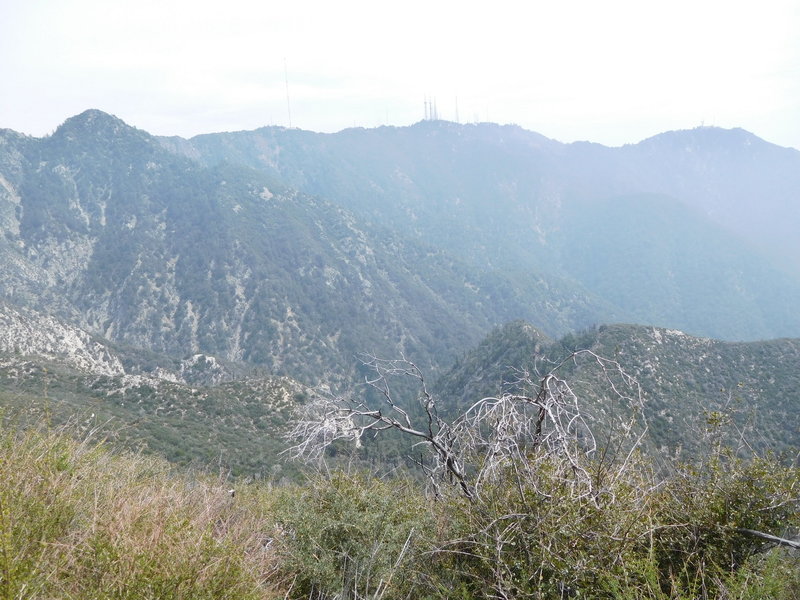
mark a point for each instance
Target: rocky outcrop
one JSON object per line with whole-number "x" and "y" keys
{"x": 28, "y": 333}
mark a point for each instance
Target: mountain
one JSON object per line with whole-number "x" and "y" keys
{"x": 738, "y": 180}
{"x": 690, "y": 229}
{"x": 196, "y": 264}
{"x": 661, "y": 263}
{"x": 683, "y": 379}
{"x": 106, "y": 229}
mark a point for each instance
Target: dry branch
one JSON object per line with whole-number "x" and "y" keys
{"x": 495, "y": 433}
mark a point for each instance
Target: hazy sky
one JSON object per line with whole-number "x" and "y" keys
{"x": 609, "y": 71}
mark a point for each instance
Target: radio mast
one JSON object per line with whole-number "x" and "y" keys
{"x": 288, "y": 103}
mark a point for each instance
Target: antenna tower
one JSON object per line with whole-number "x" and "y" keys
{"x": 288, "y": 103}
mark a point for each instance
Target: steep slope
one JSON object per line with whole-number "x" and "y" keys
{"x": 459, "y": 186}
{"x": 511, "y": 199}
{"x": 152, "y": 250}
{"x": 28, "y": 333}
{"x": 663, "y": 263}
{"x": 683, "y": 378}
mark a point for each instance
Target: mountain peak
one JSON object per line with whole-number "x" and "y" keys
{"x": 708, "y": 137}
{"x": 94, "y": 117}
{"x": 94, "y": 121}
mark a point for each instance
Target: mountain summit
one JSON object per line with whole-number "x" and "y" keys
{"x": 94, "y": 126}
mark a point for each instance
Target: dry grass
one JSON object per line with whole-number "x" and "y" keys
{"x": 77, "y": 521}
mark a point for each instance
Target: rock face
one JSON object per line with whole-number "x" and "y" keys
{"x": 27, "y": 333}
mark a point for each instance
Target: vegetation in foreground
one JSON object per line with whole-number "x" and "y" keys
{"x": 503, "y": 516}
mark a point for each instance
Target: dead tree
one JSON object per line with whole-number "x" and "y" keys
{"x": 513, "y": 430}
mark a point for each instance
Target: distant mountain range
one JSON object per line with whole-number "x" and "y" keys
{"x": 688, "y": 229}
{"x": 236, "y": 259}
{"x": 109, "y": 230}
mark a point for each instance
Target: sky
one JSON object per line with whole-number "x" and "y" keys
{"x": 610, "y": 71}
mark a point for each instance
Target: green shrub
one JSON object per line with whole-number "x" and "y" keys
{"x": 699, "y": 540}
{"x": 637, "y": 537}
{"x": 538, "y": 536}
{"x": 353, "y": 536}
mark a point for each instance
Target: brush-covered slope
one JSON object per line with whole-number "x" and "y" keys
{"x": 146, "y": 248}
{"x": 199, "y": 410}
{"x": 691, "y": 229}
{"x": 683, "y": 378}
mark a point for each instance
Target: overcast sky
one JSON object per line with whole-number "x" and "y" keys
{"x": 608, "y": 71}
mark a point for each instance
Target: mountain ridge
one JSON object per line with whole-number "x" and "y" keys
{"x": 507, "y": 198}
{"x": 152, "y": 249}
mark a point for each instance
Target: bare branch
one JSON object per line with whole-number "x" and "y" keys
{"x": 771, "y": 538}
{"x": 515, "y": 431}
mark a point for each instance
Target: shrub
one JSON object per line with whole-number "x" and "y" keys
{"x": 704, "y": 513}
{"x": 640, "y": 537}
{"x": 352, "y": 536}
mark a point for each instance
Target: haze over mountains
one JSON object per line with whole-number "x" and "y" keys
{"x": 294, "y": 252}
{"x": 662, "y": 230}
